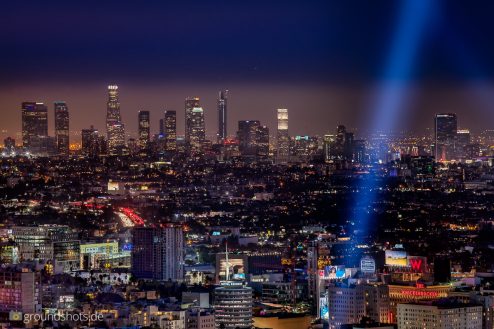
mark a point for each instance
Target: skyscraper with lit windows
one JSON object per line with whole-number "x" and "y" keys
{"x": 248, "y": 137}
{"x": 114, "y": 127}
{"x": 190, "y": 104}
{"x": 195, "y": 132}
{"x": 144, "y": 128}
{"x": 283, "y": 139}
{"x": 263, "y": 142}
{"x": 62, "y": 128}
{"x": 90, "y": 142}
{"x": 170, "y": 131}
{"x": 158, "y": 253}
{"x": 445, "y": 130}
{"x": 34, "y": 122}
{"x": 222, "y": 115}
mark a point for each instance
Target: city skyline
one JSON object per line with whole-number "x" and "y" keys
{"x": 310, "y": 58}
{"x": 300, "y": 124}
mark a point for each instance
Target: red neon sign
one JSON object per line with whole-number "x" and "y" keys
{"x": 418, "y": 293}
{"x": 416, "y": 264}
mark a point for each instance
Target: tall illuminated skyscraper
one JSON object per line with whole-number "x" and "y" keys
{"x": 90, "y": 141}
{"x": 170, "y": 130}
{"x": 222, "y": 115}
{"x": 263, "y": 142}
{"x": 144, "y": 129}
{"x": 190, "y": 104}
{"x": 283, "y": 139}
{"x": 62, "y": 128}
{"x": 328, "y": 147}
{"x": 114, "y": 127}
{"x": 195, "y": 132}
{"x": 445, "y": 130}
{"x": 34, "y": 122}
{"x": 248, "y": 137}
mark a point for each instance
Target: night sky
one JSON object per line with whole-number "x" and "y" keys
{"x": 323, "y": 60}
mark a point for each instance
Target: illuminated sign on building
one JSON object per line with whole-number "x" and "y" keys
{"x": 420, "y": 293}
{"x": 396, "y": 258}
{"x": 332, "y": 272}
{"x": 417, "y": 263}
{"x": 368, "y": 265}
{"x": 323, "y": 306}
{"x": 99, "y": 248}
{"x": 127, "y": 247}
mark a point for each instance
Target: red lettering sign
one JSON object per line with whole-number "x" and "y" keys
{"x": 420, "y": 293}
{"x": 416, "y": 264}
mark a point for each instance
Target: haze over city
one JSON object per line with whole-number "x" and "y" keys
{"x": 323, "y": 60}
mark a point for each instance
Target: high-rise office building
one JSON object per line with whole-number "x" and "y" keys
{"x": 283, "y": 139}
{"x": 263, "y": 142}
{"x": 359, "y": 151}
{"x": 34, "y": 123}
{"x": 170, "y": 131}
{"x": 190, "y": 104}
{"x": 158, "y": 253}
{"x": 195, "y": 132}
{"x": 248, "y": 137}
{"x": 328, "y": 147}
{"x": 305, "y": 147}
{"x": 62, "y": 128}
{"x": 162, "y": 127}
{"x": 144, "y": 128}
{"x": 114, "y": 127}
{"x": 222, "y": 115}
{"x": 233, "y": 306}
{"x": 463, "y": 140}
{"x": 445, "y": 130}
{"x": 90, "y": 142}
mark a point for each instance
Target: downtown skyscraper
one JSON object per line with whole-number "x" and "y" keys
{"x": 263, "y": 141}
{"x": 62, "y": 128}
{"x": 144, "y": 127}
{"x": 195, "y": 131}
{"x": 248, "y": 137}
{"x": 283, "y": 138}
{"x": 34, "y": 123}
{"x": 445, "y": 130}
{"x": 90, "y": 142}
{"x": 222, "y": 115}
{"x": 114, "y": 127}
{"x": 170, "y": 130}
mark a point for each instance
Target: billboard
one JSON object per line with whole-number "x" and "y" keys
{"x": 237, "y": 268}
{"x": 323, "y": 306}
{"x": 396, "y": 258}
{"x": 367, "y": 265}
{"x": 333, "y": 272}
